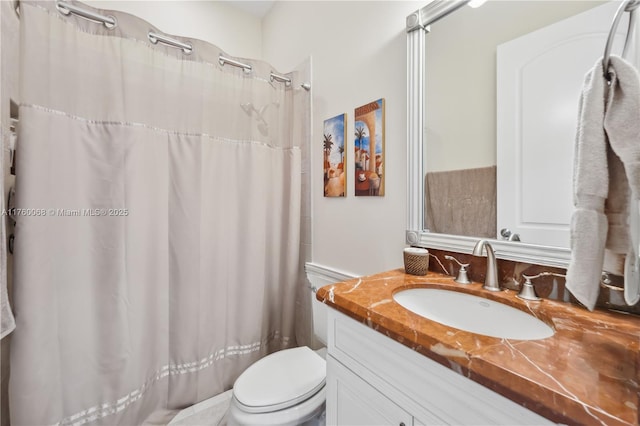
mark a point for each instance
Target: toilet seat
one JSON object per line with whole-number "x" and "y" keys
{"x": 280, "y": 380}
{"x": 301, "y": 414}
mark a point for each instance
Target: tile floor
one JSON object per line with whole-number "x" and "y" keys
{"x": 212, "y": 411}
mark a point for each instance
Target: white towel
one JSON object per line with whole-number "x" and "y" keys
{"x": 7, "y": 322}
{"x": 622, "y": 124}
{"x": 606, "y": 166}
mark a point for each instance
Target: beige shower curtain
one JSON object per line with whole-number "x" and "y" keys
{"x": 157, "y": 249}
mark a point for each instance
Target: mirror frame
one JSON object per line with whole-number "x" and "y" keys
{"x": 417, "y": 27}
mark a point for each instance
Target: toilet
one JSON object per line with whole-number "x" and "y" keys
{"x": 285, "y": 388}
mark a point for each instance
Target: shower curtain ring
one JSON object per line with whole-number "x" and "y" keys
{"x": 109, "y": 21}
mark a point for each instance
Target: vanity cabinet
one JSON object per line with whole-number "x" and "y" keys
{"x": 374, "y": 380}
{"x": 357, "y": 403}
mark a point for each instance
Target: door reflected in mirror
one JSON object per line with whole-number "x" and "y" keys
{"x": 501, "y": 99}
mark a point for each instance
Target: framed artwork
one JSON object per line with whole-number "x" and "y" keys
{"x": 335, "y": 135}
{"x": 369, "y": 149}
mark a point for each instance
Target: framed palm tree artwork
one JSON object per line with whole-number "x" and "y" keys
{"x": 335, "y": 134}
{"x": 369, "y": 149}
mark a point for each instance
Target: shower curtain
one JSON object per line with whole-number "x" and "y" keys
{"x": 160, "y": 208}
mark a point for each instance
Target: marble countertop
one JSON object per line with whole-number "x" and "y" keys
{"x": 587, "y": 372}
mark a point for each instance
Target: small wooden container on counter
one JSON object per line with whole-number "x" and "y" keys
{"x": 416, "y": 261}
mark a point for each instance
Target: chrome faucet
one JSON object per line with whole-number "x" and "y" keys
{"x": 491, "y": 279}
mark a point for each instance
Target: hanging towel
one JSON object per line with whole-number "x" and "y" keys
{"x": 622, "y": 124}
{"x": 591, "y": 186}
{"x": 7, "y": 323}
{"x": 606, "y": 166}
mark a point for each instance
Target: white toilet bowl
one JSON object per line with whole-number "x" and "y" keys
{"x": 284, "y": 388}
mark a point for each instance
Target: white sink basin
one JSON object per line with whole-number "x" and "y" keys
{"x": 472, "y": 313}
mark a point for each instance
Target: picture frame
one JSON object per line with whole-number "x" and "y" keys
{"x": 369, "y": 149}
{"x": 334, "y": 156}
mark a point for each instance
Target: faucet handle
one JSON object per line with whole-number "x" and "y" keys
{"x": 463, "y": 277}
{"x": 528, "y": 291}
{"x": 542, "y": 274}
{"x": 509, "y": 235}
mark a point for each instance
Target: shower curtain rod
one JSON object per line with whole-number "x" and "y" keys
{"x": 110, "y": 22}
{"x": 224, "y": 60}
{"x": 156, "y": 38}
{"x": 282, "y": 79}
{"x": 66, "y": 9}
{"x": 272, "y": 76}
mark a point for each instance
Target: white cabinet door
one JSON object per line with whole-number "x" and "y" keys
{"x": 352, "y": 401}
{"x": 539, "y": 80}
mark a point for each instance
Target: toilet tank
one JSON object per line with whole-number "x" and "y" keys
{"x": 320, "y": 276}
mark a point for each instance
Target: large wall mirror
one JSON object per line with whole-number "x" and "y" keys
{"x": 487, "y": 155}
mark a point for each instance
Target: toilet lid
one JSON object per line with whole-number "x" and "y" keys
{"x": 280, "y": 380}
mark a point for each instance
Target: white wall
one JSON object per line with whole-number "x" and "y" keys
{"x": 236, "y": 32}
{"x": 359, "y": 55}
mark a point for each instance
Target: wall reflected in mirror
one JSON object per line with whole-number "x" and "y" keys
{"x": 462, "y": 165}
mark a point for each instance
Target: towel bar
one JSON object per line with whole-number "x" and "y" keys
{"x": 606, "y": 283}
{"x": 628, "y": 6}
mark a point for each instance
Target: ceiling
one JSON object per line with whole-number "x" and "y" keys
{"x": 257, "y": 8}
